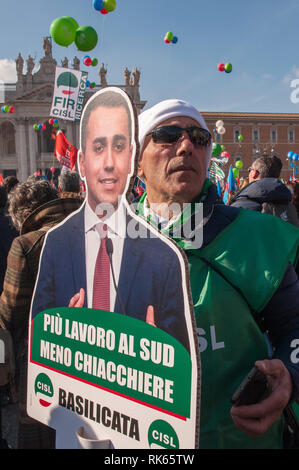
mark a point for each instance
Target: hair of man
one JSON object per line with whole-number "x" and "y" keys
{"x": 268, "y": 166}
{"x": 69, "y": 181}
{"x": 27, "y": 197}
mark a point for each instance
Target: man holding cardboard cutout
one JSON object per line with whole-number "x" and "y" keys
{"x": 147, "y": 271}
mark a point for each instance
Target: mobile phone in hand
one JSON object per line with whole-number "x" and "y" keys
{"x": 253, "y": 389}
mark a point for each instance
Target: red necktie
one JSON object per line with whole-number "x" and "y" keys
{"x": 101, "y": 280}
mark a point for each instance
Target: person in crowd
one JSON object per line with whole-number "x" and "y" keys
{"x": 34, "y": 209}
{"x": 265, "y": 191}
{"x": 69, "y": 184}
{"x": 293, "y": 186}
{"x": 9, "y": 183}
{"x": 8, "y": 233}
{"x": 242, "y": 279}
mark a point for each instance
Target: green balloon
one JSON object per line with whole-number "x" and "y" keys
{"x": 94, "y": 62}
{"x": 86, "y": 38}
{"x": 110, "y": 5}
{"x": 6, "y": 109}
{"x": 240, "y": 138}
{"x": 239, "y": 164}
{"x": 236, "y": 172}
{"x": 169, "y": 36}
{"x": 63, "y": 31}
{"x": 228, "y": 67}
{"x": 222, "y": 148}
{"x": 216, "y": 149}
{"x": 35, "y": 127}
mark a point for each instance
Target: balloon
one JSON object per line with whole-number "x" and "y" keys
{"x": 103, "y": 11}
{"x": 2, "y": 109}
{"x": 221, "y": 130}
{"x": 87, "y": 83}
{"x": 51, "y": 121}
{"x": 63, "y": 30}
{"x": 216, "y": 149}
{"x": 239, "y": 164}
{"x": 35, "y": 127}
{"x": 52, "y": 169}
{"x": 169, "y": 36}
{"x": 40, "y": 126}
{"x": 215, "y": 131}
{"x": 86, "y": 38}
{"x": 235, "y": 172}
{"x": 94, "y": 62}
{"x": 240, "y": 138}
{"x": 222, "y": 148}
{"x": 6, "y": 109}
{"x": 44, "y": 127}
{"x": 221, "y": 67}
{"x": 56, "y": 125}
{"x": 166, "y": 40}
{"x": 174, "y": 40}
{"x": 225, "y": 154}
{"x": 295, "y": 157}
{"x": 92, "y": 85}
{"x": 110, "y": 5}
{"x": 98, "y": 5}
{"x": 56, "y": 121}
{"x": 228, "y": 67}
{"x": 219, "y": 124}
{"x": 11, "y": 109}
{"x": 87, "y": 61}
{"x": 290, "y": 155}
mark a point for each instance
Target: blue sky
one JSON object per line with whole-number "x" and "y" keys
{"x": 259, "y": 38}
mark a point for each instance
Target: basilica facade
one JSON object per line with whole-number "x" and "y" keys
{"x": 23, "y": 150}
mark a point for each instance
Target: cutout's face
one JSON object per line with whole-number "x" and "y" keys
{"x": 106, "y": 161}
{"x": 175, "y": 171}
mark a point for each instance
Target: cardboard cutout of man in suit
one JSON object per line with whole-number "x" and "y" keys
{"x": 147, "y": 269}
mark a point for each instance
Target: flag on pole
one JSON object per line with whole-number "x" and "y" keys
{"x": 65, "y": 152}
{"x": 229, "y": 187}
{"x": 216, "y": 173}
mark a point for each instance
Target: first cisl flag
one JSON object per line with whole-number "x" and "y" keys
{"x": 69, "y": 92}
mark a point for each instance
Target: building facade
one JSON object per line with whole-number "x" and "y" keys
{"x": 263, "y": 134}
{"x": 23, "y": 150}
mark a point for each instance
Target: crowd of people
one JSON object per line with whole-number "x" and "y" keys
{"x": 243, "y": 278}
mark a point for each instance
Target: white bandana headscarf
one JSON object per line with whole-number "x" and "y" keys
{"x": 152, "y": 117}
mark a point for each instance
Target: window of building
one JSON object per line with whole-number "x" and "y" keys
{"x": 273, "y": 135}
{"x": 291, "y": 135}
{"x": 7, "y": 139}
{"x": 236, "y": 134}
{"x": 255, "y": 135}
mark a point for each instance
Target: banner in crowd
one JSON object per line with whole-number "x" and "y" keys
{"x": 104, "y": 377}
{"x": 69, "y": 93}
{"x": 65, "y": 152}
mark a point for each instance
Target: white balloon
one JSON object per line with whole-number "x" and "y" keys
{"x": 221, "y": 130}
{"x": 219, "y": 124}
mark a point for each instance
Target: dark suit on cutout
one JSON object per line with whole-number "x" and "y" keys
{"x": 150, "y": 274}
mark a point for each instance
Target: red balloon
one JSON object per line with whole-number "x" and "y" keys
{"x": 51, "y": 121}
{"x": 11, "y": 109}
{"x": 103, "y": 11}
{"x": 87, "y": 61}
{"x": 225, "y": 154}
{"x": 44, "y": 127}
{"x": 166, "y": 41}
{"x": 52, "y": 169}
{"x": 221, "y": 67}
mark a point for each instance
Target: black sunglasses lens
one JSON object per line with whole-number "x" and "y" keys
{"x": 200, "y": 136}
{"x": 166, "y": 134}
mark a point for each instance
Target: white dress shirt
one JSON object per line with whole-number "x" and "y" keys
{"x": 116, "y": 224}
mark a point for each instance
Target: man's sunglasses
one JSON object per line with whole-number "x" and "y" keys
{"x": 170, "y": 134}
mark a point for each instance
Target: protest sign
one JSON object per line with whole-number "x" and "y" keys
{"x": 69, "y": 92}
{"x": 113, "y": 358}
